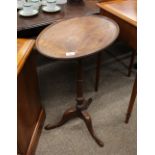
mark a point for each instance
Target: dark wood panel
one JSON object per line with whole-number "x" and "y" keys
{"x": 30, "y": 114}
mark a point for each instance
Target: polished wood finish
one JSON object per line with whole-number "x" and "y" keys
{"x": 24, "y": 47}
{"x": 132, "y": 101}
{"x": 124, "y": 12}
{"x": 128, "y": 32}
{"x": 128, "y": 9}
{"x": 71, "y": 9}
{"x": 80, "y": 37}
{"x": 124, "y": 9}
{"x": 77, "y": 37}
{"x": 30, "y": 113}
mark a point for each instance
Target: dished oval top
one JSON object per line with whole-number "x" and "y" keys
{"x": 77, "y": 37}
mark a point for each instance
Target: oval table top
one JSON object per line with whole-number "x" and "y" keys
{"x": 77, "y": 37}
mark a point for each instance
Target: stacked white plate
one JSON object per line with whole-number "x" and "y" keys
{"x": 28, "y": 14}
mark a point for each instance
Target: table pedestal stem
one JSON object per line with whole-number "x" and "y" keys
{"x": 80, "y": 109}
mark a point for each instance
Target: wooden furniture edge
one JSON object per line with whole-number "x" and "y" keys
{"x": 36, "y": 133}
{"x": 115, "y": 12}
{"x": 21, "y": 59}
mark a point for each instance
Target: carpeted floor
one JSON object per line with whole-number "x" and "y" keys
{"x": 108, "y": 109}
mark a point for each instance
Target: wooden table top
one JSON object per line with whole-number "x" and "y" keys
{"x": 69, "y": 10}
{"x": 124, "y": 9}
{"x": 77, "y": 37}
{"x": 24, "y": 47}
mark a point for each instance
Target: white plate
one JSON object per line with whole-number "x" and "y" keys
{"x": 22, "y": 13}
{"x": 46, "y": 9}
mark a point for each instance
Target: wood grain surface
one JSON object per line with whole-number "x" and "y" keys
{"x": 24, "y": 47}
{"x": 77, "y": 37}
{"x": 124, "y": 9}
{"x": 30, "y": 113}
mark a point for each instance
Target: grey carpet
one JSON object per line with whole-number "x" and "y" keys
{"x": 108, "y": 109}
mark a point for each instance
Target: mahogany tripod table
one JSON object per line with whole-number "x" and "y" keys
{"x": 74, "y": 39}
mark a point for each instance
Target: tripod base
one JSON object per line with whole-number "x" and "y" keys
{"x": 81, "y": 113}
